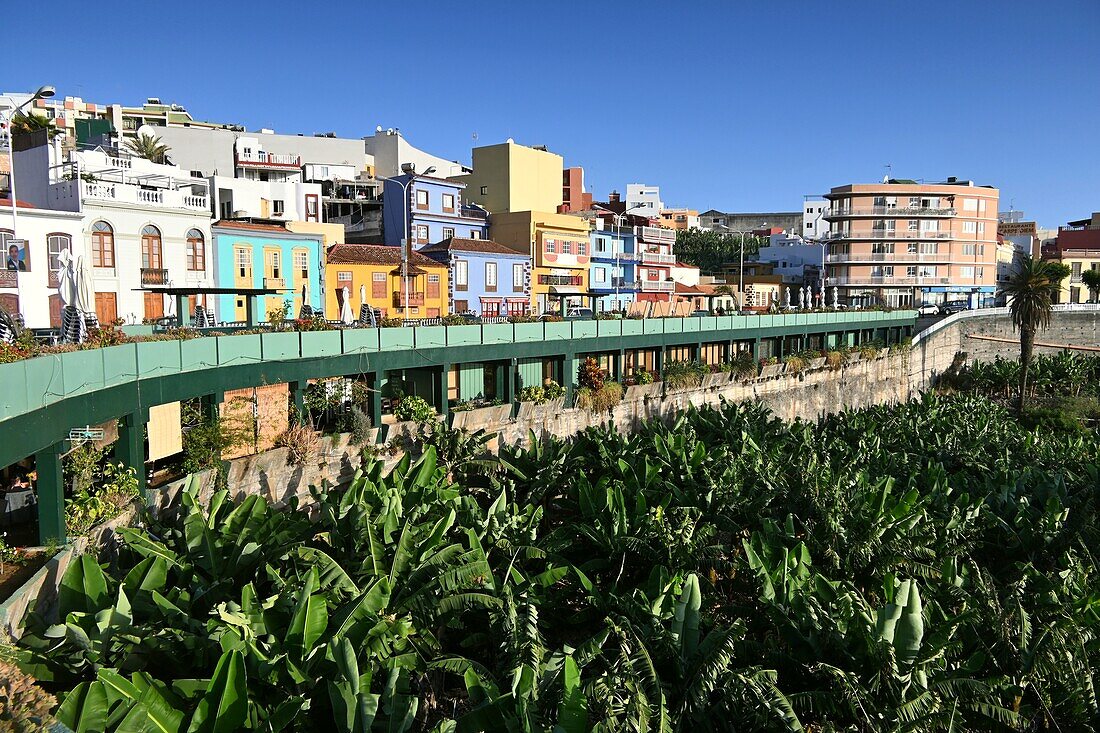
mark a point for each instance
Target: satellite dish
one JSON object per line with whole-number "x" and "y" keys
{"x": 378, "y": 129}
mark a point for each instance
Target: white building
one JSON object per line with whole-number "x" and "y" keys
{"x": 814, "y": 225}
{"x": 644, "y": 200}
{"x": 31, "y": 287}
{"x": 390, "y": 151}
{"x": 798, "y": 261}
{"x": 143, "y": 223}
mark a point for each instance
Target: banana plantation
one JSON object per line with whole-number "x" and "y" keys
{"x": 923, "y": 567}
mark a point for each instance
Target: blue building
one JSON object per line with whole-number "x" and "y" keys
{"x": 428, "y": 210}
{"x": 613, "y": 269}
{"x": 486, "y": 277}
{"x": 265, "y": 255}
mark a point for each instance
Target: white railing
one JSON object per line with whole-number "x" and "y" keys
{"x": 621, "y": 256}
{"x": 150, "y": 197}
{"x": 98, "y": 190}
{"x": 890, "y": 234}
{"x": 121, "y": 163}
{"x": 125, "y": 193}
{"x": 195, "y": 202}
{"x": 262, "y": 158}
{"x": 657, "y": 235}
{"x": 899, "y": 257}
{"x": 657, "y": 286}
{"x": 889, "y": 280}
{"x": 892, "y": 211}
{"x": 659, "y": 258}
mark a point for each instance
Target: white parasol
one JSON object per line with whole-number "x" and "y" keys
{"x": 345, "y": 307}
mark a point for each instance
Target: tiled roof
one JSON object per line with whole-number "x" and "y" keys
{"x": 691, "y": 289}
{"x": 374, "y": 254}
{"x": 231, "y": 224}
{"x": 22, "y": 204}
{"x": 470, "y": 245}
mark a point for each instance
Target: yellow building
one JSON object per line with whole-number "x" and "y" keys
{"x": 330, "y": 233}
{"x": 680, "y": 219}
{"x": 510, "y": 177}
{"x": 371, "y": 273}
{"x": 559, "y": 249}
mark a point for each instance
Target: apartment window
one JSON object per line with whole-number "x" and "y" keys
{"x": 911, "y": 271}
{"x": 929, "y": 248}
{"x": 550, "y": 246}
{"x": 882, "y": 248}
{"x": 275, "y": 263}
{"x": 312, "y": 207}
{"x": 970, "y": 227}
{"x": 421, "y": 198}
{"x": 981, "y": 227}
{"x": 929, "y": 225}
{"x": 914, "y": 202}
{"x": 448, "y": 203}
{"x": 278, "y": 207}
{"x": 911, "y": 248}
{"x": 601, "y": 245}
{"x": 914, "y": 225}
{"x": 461, "y": 274}
{"x": 343, "y": 276}
{"x": 517, "y": 278}
{"x": 600, "y": 275}
{"x": 979, "y": 273}
{"x": 970, "y": 204}
{"x": 567, "y": 247}
{"x": 484, "y": 190}
{"x": 967, "y": 273}
{"x": 103, "y": 245}
{"x": 151, "y": 248}
{"x": 433, "y": 286}
{"x": 491, "y": 276}
{"x": 301, "y": 263}
{"x": 888, "y": 271}
{"x": 448, "y": 232}
{"x": 1075, "y": 271}
{"x": 582, "y": 248}
{"x": 927, "y": 270}
{"x": 475, "y": 234}
{"x": 55, "y": 245}
{"x": 422, "y": 233}
{"x": 973, "y": 249}
{"x": 196, "y": 251}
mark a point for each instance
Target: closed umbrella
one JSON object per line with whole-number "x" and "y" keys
{"x": 306, "y": 310}
{"x": 72, "y": 323}
{"x": 345, "y": 307}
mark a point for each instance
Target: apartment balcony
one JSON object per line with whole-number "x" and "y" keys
{"x": 888, "y": 257}
{"x": 889, "y": 211}
{"x": 620, "y": 284}
{"x": 126, "y": 193}
{"x": 616, "y": 256}
{"x": 656, "y": 235}
{"x": 890, "y": 234}
{"x": 657, "y": 286}
{"x": 658, "y": 258}
{"x": 414, "y": 298}
{"x": 275, "y": 283}
{"x": 9, "y": 279}
{"x": 258, "y": 159}
{"x": 561, "y": 280}
{"x": 153, "y": 276}
{"x": 891, "y": 281}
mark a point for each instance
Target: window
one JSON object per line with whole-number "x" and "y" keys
{"x": 461, "y": 274}
{"x": 929, "y": 248}
{"x": 378, "y": 285}
{"x": 490, "y": 276}
{"x": 448, "y": 203}
{"x": 196, "y": 251}
{"x": 970, "y": 204}
{"x": 979, "y": 273}
{"x": 55, "y": 245}
{"x": 344, "y": 276}
{"x": 981, "y": 227}
{"x": 448, "y": 232}
{"x": 103, "y": 245}
{"x": 567, "y": 247}
{"x": 929, "y": 225}
{"x": 475, "y": 234}
{"x": 968, "y": 273}
{"x": 151, "y": 248}
{"x": 301, "y": 263}
{"x": 433, "y": 286}
{"x": 278, "y": 207}
{"x": 422, "y": 233}
{"x": 484, "y": 190}
{"x": 973, "y": 249}
{"x": 274, "y": 263}
{"x": 882, "y": 248}
{"x": 970, "y": 227}
{"x": 550, "y": 245}
{"x": 914, "y": 202}
{"x": 517, "y": 278}
{"x": 244, "y": 261}
{"x": 601, "y": 245}
{"x": 927, "y": 270}
{"x": 911, "y": 248}
{"x": 421, "y": 198}
{"x": 911, "y": 271}
{"x": 914, "y": 225}
{"x": 600, "y": 275}
{"x": 312, "y": 207}
{"x": 582, "y": 248}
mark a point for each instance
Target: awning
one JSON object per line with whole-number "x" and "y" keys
{"x": 489, "y": 300}
{"x": 564, "y": 290}
{"x": 518, "y": 300}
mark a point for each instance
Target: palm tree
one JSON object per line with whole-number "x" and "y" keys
{"x": 1030, "y": 293}
{"x": 147, "y": 146}
{"x": 1091, "y": 279}
{"x": 27, "y": 123}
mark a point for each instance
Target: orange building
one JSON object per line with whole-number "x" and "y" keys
{"x": 901, "y": 243}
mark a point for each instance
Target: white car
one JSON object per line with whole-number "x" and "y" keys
{"x": 928, "y": 309}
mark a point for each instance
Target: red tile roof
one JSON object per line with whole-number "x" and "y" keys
{"x": 21, "y": 205}
{"x": 231, "y": 224}
{"x": 471, "y": 245}
{"x": 374, "y": 254}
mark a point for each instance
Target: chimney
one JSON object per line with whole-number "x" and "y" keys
{"x": 613, "y": 197}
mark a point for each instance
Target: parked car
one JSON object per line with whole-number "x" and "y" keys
{"x": 469, "y": 317}
{"x": 928, "y": 309}
{"x": 954, "y": 306}
{"x": 579, "y": 314}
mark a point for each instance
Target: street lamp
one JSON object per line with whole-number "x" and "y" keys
{"x": 619, "y": 219}
{"x": 741, "y": 252}
{"x": 44, "y": 92}
{"x": 408, "y": 169}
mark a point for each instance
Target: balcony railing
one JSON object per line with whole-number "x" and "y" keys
{"x": 657, "y": 235}
{"x": 883, "y": 280}
{"x": 560, "y": 280}
{"x": 414, "y": 298}
{"x": 620, "y": 256}
{"x": 153, "y": 276}
{"x": 275, "y": 283}
{"x": 657, "y": 286}
{"x": 659, "y": 258}
{"x": 261, "y": 159}
{"x": 126, "y": 193}
{"x": 890, "y": 234}
{"x": 892, "y": 257}
{"x": 9, "y": 279}
{"x": 890, "y": 211}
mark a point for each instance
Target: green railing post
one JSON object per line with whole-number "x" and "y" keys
{"x": 298, "y": 394}
{"x": 620, "y": 362}
{"x": 211, "y": 405}
{"x": 250, "y": 310}
{"x": 444, "y": 378}
{"x": 183, "y": 311}
{"x": 130, "y": 447}
{"x": 511, "y": 377}
{"x": 50, "y": 485}
{"x": 568, "y": 374}
{"x": 376, "y": 399}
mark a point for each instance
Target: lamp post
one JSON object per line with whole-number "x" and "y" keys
{"x": 619, "y": 219}
{"x": 408, "y": 169}
{"x": 44, "y": 92}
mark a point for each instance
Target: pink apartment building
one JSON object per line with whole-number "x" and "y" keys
{"x": 902, "y": 243}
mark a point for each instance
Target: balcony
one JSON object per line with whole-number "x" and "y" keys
{"x": 560, "y": 280}
{"x": 616, "y": 256}
{"x": 657, "y": 286}
{"x": 153, "y": 276}
{"x": 890, "y": 281}
{"x": 658, "y": 258}
{"x": 131, "y": 194}
{"x": 9, "y": 279}
{"x": 261, "y": 159}
{"x": 657, "y": 235}
{"x": 889, "y": 234}
{"x": 414, "y": 298}
{"x": 275, "y": 283}
{"x": 889, "y": 211}
{"x": 890, "y": 257}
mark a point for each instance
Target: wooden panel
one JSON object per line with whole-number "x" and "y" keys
{"x": 154, "y": 306}
{"x": 106, "y": 307}
{"x": 165, "y": 435}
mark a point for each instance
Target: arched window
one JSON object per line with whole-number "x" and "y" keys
{"x": 103, "y": 245}
{"x": 196, "y": 251}
{"x": 55, "y": 244}
{"x": 150, "y": 248}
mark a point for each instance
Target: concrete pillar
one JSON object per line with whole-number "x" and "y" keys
{"x": 183, "y": 311}
{"x": 376, "y": 399}
{"x": 130, "y": 447}
{"x": 620, "y": 362}
{"x": 250, "y": 310}
{"x": 298, "y": 394}
{"x": 50, "y": 486}
{"x": 568, "y": 376}
{"x": 442, "y": 380}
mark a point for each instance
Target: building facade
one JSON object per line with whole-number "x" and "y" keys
{"x": 485, "y": 277}
{"x": 373, "y": 275}
{"x": 654, "y": 246}
{"x": 266, "y": 255}
{"x": 509, "y": 177}
{"x": 814, "y": 224}
{"x": 901, "y": 243}
{"x": 680, "y": 219}
{"x": 29, "y": 280}
{"x": 574, "y": 197}
{"x": 644, "y": 200}
{"x": 1078, "y": 248}
{"x": 558, "y": 245}
{"x": 788, "y": 221}
{"x": 614, "y": 270}
{"x": 426, "y": 210}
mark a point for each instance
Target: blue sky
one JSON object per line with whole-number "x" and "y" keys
{"x": 742, "y": 106}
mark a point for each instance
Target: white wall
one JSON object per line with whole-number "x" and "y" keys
{"x": 248, "y": 195}
{"x": 814, "y": 225}
{"x": 647, "y": 197}
{"x": 34, "y": 225}
{"x": 391, "y": 151}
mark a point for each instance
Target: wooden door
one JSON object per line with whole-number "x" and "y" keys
{"x": 55, "y": 311}
{"x": 433, "y": 286}
{"x": 106, "y": 308}
{"x": 154, "y": 306}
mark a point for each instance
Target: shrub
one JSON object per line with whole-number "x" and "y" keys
{"x": 24, "y": 706}
{"x": 534, "y": 394}
{"x": 413, "y": 408}
{"x": 277, "y": 316}
{"x": 360, "y": 426}
{"x": 9, "y": 555}
{"x": 744, "y": 366}
{"x": 390, "y": 322}
{"x": 590, "y": 375}
{"x": 106, "y": 335}
{"x": 117, "y": 488}
{"x": 600, "y": 400}
{"x": 644, "y": 377}
{"x": 684, "y": 374}
{"x": 553, "y": 390}
{"x": 795, "y": 363}
{"x": 316, "y": 322}
{"x": 522, "y": 318}
{"x": 834, "y": 359}
{"x": 302, "y": 443}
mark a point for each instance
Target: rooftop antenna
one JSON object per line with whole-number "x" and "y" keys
{"x": 889, "y": 171}
{"x": 474, "y": 136}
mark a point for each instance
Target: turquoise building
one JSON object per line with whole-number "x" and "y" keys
{"x": 250, "y": 254}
